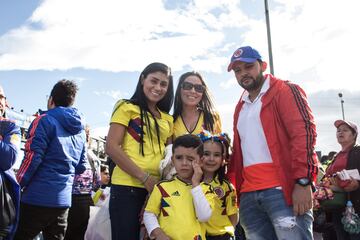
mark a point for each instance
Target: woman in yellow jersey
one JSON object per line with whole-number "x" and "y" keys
{"x": 140, "y": 128}
{"x": 225, "y": 214}
{"x": 193, "y": 107}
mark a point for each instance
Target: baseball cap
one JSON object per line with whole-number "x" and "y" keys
{"x": 244, "y": 54}
{"x": 351, "y": 125}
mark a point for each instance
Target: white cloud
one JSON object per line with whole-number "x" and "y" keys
{"x": 313, "y": 41}
{"x": 111, "y": 93}
{"x": 317, "y": 36}
{"x": 228, "y": 84}
{"x": 111, "y": 37}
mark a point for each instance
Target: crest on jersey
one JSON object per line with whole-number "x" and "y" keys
{"x": 219, "y": 192}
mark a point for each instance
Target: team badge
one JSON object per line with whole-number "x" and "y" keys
{"x": 238, "y": 53}
{"x": 219, "y": 192}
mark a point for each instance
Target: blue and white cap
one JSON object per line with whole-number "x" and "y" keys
{"x": 244, "y": 54}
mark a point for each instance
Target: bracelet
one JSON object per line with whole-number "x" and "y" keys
{"x": 145, "y": 178}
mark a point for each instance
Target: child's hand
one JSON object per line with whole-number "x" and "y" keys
{"x": 158, "y": 234}
{"x": 196, "y": 178}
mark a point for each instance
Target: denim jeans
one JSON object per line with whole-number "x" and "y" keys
{"x": 264, "y": 215}
{"x": 125, "y": 207}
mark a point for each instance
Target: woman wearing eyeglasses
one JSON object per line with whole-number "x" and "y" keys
{"x": 193, "y": 108}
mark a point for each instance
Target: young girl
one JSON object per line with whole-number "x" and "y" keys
{"x": 225, "y": 215}
{"x": 139, "y": 130}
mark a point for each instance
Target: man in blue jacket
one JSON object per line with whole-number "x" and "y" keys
{"x": 54, "y": 151}
{"x": 9, "y": 147}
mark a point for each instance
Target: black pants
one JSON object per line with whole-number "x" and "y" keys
{"x": 225, "y": 236}
{"x": 78, "y": 216}
{"x": 34, "y": 219}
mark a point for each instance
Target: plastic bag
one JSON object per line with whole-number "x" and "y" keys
{"x": 166, "y": 168}
{"x": 351, "y": 220}
{"x": 100, "y": 195}
{"x": 99, "y": 226}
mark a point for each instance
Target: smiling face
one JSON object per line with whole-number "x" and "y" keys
{"x": 155, "y": 86}
{"x": 345, "y": 136}
{"x": 213, "y": 157}
{"x": 191, "y": 97}
{"x": 182, "y": 160}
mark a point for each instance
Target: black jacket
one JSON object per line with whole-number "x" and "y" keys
{"x": 354, "y": 163}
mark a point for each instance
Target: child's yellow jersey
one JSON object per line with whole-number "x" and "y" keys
{"x": 128, "y": 114}
{"x": 225, "y": 205}
{"x": 172, "y": 202}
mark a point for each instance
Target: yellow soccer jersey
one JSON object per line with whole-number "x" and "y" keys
{"x": 225, "y": 205}
{"x": 172, "y": 202}
{"x": 180, "y": 128}
{"x": 128, "y": 114}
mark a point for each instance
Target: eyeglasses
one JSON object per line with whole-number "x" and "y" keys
{"x": 188, "y": 86}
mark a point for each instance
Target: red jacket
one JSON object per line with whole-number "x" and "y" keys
{"x": 290, "y": 133}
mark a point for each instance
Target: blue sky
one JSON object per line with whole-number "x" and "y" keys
{"x": 103, "y": 45}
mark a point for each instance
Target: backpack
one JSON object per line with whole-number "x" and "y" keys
{"x": 8, "y": 211}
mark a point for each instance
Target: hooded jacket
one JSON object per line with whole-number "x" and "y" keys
{"x": 9, "y": 148}
{"x": 290, "y": 134}
{"x": 54, "y": 151}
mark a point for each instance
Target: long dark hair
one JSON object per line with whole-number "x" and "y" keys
{"x": 224, "y": 140}
{"x": 205, "y": 105}
{"x": 139, "y": 98}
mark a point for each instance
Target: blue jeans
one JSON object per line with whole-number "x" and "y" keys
{"x": 265, "y": 215}
{"x": 125, "y": 207}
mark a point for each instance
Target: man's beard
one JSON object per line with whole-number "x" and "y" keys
{"x": 256, "y": 83}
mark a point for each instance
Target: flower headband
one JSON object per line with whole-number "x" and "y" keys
{"x": 221, "y": 137}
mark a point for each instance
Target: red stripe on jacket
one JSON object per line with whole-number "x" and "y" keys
{"x": 29, "y": 154}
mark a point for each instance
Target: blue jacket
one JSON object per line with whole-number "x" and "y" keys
{"x": 54, "y": 151}
{"x": 9, "y": 147}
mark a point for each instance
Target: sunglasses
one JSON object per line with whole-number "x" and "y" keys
{"x": 188, "y": 86}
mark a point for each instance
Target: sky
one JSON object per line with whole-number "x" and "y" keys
{"x": 104, "y": 45}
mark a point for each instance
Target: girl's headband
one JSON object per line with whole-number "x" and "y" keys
{"x": 221, "y": 137}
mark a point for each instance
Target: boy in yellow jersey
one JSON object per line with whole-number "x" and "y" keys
{"x": 177, "y": 206}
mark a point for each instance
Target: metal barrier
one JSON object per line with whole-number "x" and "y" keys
{"x": 96, "y": 144}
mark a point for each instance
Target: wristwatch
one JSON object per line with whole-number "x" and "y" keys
{"x": 303, "y": 181}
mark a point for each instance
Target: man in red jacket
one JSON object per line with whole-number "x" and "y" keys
{"x": 273, "y": 163}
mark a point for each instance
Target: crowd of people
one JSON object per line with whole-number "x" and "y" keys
{"x": 179, "y": 176}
